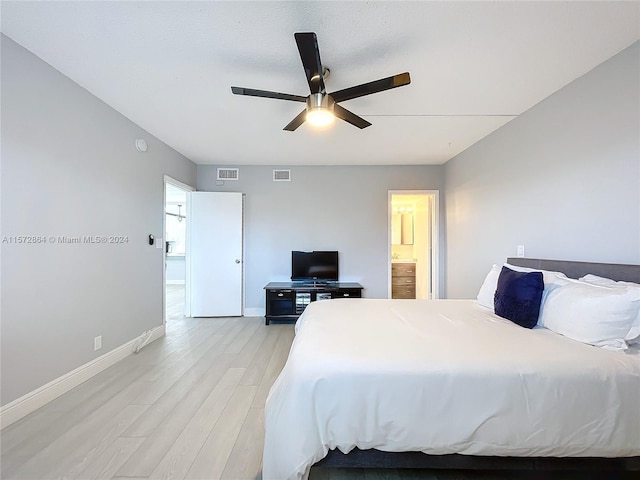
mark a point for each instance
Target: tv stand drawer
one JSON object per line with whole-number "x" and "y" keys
{"x": 281, "y": 303}
{"x": 346, "y": 293}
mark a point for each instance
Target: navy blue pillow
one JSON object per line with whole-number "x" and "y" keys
{"x": 518, "y": 296}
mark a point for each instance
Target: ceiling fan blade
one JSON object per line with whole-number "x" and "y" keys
{"x": 310, "y": 56}
{"x": 372, "y": 87}
{"x": 350, "y": 117}
{"x": 296, "y": 122}
{"x": 266, "y": 94}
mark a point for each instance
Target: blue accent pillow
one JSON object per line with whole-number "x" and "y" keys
{"x": 518, "y": 296}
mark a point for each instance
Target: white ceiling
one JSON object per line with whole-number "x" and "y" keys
{"x": 169, "y": 66}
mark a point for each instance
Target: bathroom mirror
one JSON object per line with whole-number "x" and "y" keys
{"x": 402, "y": 229}
{"x": 406, "y": 236}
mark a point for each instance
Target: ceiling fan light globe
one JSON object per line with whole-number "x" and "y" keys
{"x": 320, "y": 117}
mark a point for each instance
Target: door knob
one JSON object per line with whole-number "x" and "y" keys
{"x": 237, "y": 260}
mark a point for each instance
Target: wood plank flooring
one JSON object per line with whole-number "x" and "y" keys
{"x": 188, "y": 406}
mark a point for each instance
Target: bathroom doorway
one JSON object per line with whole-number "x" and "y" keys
{"x": 175, "y": 252}
{"x": 413, "y": 244}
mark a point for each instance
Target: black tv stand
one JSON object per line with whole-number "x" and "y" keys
{"x": 285, "y": 301}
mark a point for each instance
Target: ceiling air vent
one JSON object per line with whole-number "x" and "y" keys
{"x": 282, "y": 175}
{"x": 227, "y": 174}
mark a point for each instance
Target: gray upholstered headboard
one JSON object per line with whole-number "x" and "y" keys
{"x": 615, "y": 271}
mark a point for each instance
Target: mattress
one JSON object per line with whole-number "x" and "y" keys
{"x": 441, "y": 377}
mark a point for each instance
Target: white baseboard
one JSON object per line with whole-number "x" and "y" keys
{"x": 175, "y": 282}
{"x": 253, "y": 312}
{"x": 14, "y": 411}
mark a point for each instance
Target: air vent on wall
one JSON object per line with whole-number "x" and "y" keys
{"x": 227, "y": 174}
{"x": 282, "y": 175}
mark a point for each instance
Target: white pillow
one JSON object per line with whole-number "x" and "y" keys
{"x": 596, "y": 280}
{"x": 634, "y": 332}
{"x": 588, "y": 313}
{"x": 490, "y": 284}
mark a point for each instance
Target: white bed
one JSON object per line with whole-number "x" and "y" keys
{"x": 441, "y": 377}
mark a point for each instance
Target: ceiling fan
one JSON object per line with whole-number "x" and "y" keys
{"x": 322, "y": 107}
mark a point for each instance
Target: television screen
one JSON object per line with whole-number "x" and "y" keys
{"x": 316, "y": 266}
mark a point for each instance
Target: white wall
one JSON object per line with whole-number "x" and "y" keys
{"x": 69, "y": 167}
{"x": 340, "y": 208}
{"x": 563, "y": 179}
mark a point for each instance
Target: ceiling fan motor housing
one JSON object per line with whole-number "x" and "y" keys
{"x": 320, "y": 109}
{"x": 320, "y": 101}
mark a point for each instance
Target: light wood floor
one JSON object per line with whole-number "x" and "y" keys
{"x": 188, "y": 406}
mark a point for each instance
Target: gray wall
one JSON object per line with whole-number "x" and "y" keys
{"x": 563, "y": 179}
{"x": 69, "y": 167}
{"x": 340, "y": 208}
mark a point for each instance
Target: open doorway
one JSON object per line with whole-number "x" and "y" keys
{"x": 175, "y": 248}
{"x": 413, "y": 244}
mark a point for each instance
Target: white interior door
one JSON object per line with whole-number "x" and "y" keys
{"x": 215, "y": 254}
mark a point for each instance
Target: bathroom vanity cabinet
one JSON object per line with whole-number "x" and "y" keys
{"x": 403, "y": 280}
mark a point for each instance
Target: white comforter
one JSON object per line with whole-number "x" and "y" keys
{"x": 444, "y": 376}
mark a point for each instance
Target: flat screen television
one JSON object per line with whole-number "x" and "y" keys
{"x": 321, "y": 266}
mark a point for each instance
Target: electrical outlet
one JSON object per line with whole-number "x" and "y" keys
{"x": 520, "y": 250}
{"x": 97, "y": 343}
